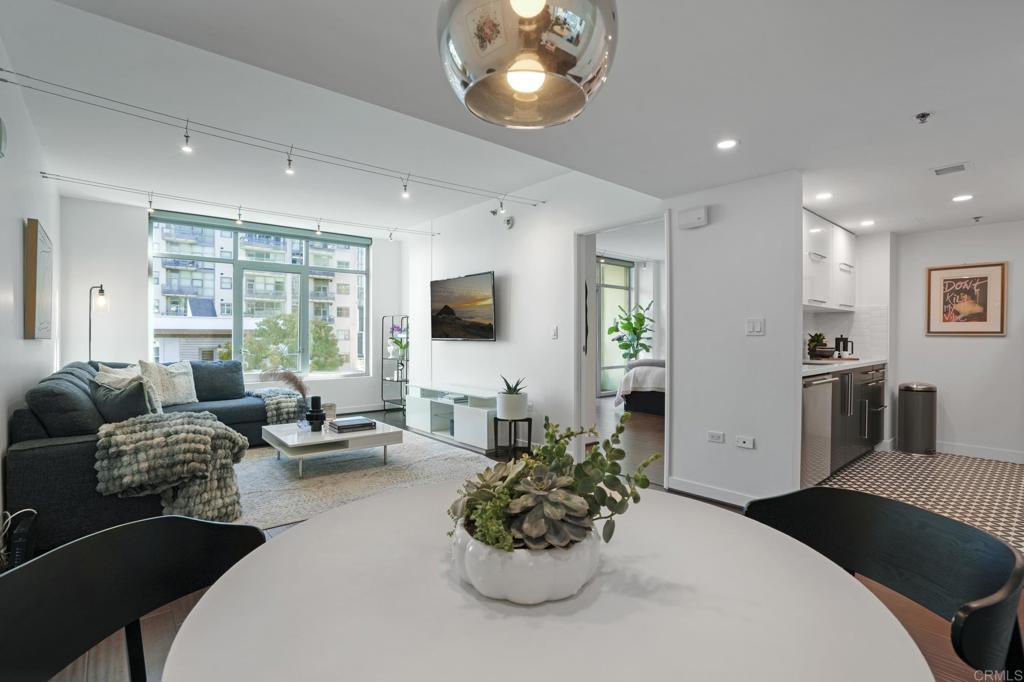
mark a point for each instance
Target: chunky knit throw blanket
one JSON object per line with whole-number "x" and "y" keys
{"x": 187, "y": 458}
{"x": 284, "y": 406}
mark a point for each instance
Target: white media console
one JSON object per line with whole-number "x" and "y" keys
{"x": 460, "y": 415}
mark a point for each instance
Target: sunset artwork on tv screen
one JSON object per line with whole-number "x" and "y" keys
{"x": 462, "y": 308}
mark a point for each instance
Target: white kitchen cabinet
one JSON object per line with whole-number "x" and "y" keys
{"x": 829, "y": 265}
{"x": 844, "y": 269}
{"x": 817, "y": 261}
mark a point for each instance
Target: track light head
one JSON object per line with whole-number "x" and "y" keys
{"x": 150, "y": 202}
{"x": 187, "y": 147}
{"x": 289, "y": 169}
{"x": 501, "y": 207}
{"x": 318, "y": 232}
{"x": 238, "y": 220}
{"x": 391, "y": 236}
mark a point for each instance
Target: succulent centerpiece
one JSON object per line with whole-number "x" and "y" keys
{"x": 527, "y": 531}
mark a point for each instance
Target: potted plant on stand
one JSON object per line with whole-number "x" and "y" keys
{"x": 526, "y": 531}
{"x": 512, "y": 401}
{"x": 631, "y": 331}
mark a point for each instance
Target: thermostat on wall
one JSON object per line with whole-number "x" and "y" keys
{"x": 691, "y": 218}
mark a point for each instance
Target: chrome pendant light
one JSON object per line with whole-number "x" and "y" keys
{"x": 527, "y": 63}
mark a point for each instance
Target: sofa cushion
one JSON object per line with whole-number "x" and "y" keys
{"x": 118, "y": 398}
{"x": 63, "y": 402}
{"x": 238, "y": 411}
{"x": 218, "y": 380}
{"x": 174, "y": 384}
{"x": 25, "y": 425}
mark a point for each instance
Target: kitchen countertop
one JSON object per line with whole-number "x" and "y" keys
{"x": 814, "y": 370}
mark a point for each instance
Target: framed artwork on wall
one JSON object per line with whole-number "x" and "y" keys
{"x": 967, "y": 300}
{"x": 38, "y": 268}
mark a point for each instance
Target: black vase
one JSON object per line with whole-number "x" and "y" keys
{"x": 315, "y": 414}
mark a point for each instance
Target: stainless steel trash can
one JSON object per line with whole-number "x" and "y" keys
{"x": 918, "y": 418}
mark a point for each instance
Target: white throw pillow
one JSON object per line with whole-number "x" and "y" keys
{"x": 120, "y": 377}
{"x": 174, "y": 383}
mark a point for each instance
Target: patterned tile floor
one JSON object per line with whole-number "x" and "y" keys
{"x": 982, "y": 492}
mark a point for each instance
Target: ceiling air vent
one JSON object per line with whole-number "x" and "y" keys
{"x": 946, "y": 170}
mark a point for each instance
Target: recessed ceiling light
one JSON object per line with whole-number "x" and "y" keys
{"x": 867, "y": 223}
{"x": 727, "y": 144}
{"x": 960, "y": 198}
{"x": 823, "y": 196}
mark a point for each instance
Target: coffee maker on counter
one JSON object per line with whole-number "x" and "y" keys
{"x": 844, "y": 348}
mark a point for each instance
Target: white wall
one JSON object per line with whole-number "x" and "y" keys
{"x": 745, "y": 263}
{"x": 981, "y": 408}
{"x": 23, "y": 195}
{"x": 105, "y": 244}
{"x": 533, "y": 265}
{"x": 110, "y": 245}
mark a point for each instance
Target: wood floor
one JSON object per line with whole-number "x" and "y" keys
{"x": 645, "y": 435}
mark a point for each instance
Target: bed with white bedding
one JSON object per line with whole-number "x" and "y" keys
{"x": 642, "y": 388}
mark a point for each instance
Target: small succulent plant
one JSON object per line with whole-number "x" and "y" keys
{"x": 547, "y": 513}
{"x": 514, "y": 388}
{"x": 547, "y": 500}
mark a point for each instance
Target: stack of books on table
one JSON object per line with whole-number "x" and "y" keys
{"x": 347, "y": 424}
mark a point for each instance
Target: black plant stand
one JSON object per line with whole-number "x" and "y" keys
{"x": 512, "y": 450}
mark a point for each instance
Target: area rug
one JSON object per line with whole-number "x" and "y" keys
{"x": 984, "y": 493}
{"x": 274, "y": 495}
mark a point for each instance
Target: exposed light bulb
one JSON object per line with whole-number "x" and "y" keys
{"x": 501, "y": 207}
{"x": 526, "y": 75}
{"x": 187, "y": 147}
{"x": 405, "y": 190}
{"x": 101, "y": 298}
{"x": 289, "y": 170}
{"x": 528, "y": 9}
{"x": 238, "y": 220}
{"x": 150, "y": 202}
{"x": 725, "y": 145}
{"x": 318, "y": 232}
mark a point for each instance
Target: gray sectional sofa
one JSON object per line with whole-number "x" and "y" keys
{"x": 49, "y": 464}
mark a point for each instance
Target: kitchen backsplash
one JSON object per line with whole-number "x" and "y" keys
{"x": 867, "y": 326}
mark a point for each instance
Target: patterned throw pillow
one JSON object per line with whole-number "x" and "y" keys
{"x": 122, "y": 377}
{"x": 174, "y": 383}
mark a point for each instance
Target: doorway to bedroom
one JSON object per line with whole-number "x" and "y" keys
{"x": 624, "y": 325}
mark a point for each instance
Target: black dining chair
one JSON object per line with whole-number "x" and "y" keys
{"x": 954, "y": 570}
{"x": 62, "y": 603}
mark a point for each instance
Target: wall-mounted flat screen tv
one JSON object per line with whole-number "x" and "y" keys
{"x": 462, "y": 308}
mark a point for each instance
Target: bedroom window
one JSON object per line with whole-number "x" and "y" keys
{"x": 282, "y": 314}
{"x": 614, "y": 290}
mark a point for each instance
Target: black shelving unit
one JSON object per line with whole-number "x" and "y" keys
{"x": 394, "y": 362}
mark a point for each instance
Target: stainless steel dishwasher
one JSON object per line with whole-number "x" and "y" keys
{"x": 816, "y": 436}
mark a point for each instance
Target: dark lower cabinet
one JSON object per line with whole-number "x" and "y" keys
{"x": 858, "y": 414}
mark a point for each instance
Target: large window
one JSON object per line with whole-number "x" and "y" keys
{"x": 615, "y": 293}
{"x": 298, "y": 301}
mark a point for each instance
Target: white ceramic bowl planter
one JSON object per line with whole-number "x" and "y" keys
{"x": 525, "y": 576}
{"x": 512, "y": 406}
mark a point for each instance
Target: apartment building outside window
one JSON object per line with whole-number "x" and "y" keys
{"x": 286, "y": 312}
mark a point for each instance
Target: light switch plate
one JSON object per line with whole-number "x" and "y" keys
{"x": 745, "y": 442}
{"x": 716, "y": 437}
{"x": 755, "y": 326}
{"x": 554, "y": 333}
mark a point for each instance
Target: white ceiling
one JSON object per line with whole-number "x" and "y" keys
{"x": 643, "y": 241}
{"x": 65, "y": 45}
{"x": 830, "y": 87}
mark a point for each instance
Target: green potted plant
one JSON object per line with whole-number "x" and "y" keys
{"x": 631, "y": 331}
{"x": 527, "y": 531}
{"x": 512, "y": 401}
{"x": 815, "y": 342}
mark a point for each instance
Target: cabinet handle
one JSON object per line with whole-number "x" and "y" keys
{"x": 846, "y": 305}
{"x": 875, "y": 383}
{"x": 817, "y": 300}
{"x": 883, "y": 408}
{"x": 817, "y": 255}
{"x": 821, "y": 382}
{"x": 849, "y": 395}
{"x": 846, "y": 266}
{"x": 866, "y": 405}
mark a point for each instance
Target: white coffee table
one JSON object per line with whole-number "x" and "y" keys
{"x": 287, "y": 439}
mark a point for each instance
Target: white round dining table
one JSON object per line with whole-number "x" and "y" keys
{"x": 685, "y": 591}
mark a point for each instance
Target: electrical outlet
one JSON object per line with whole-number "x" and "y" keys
{"x": 716, "y": 437}
{"x": 745, "y": 442}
